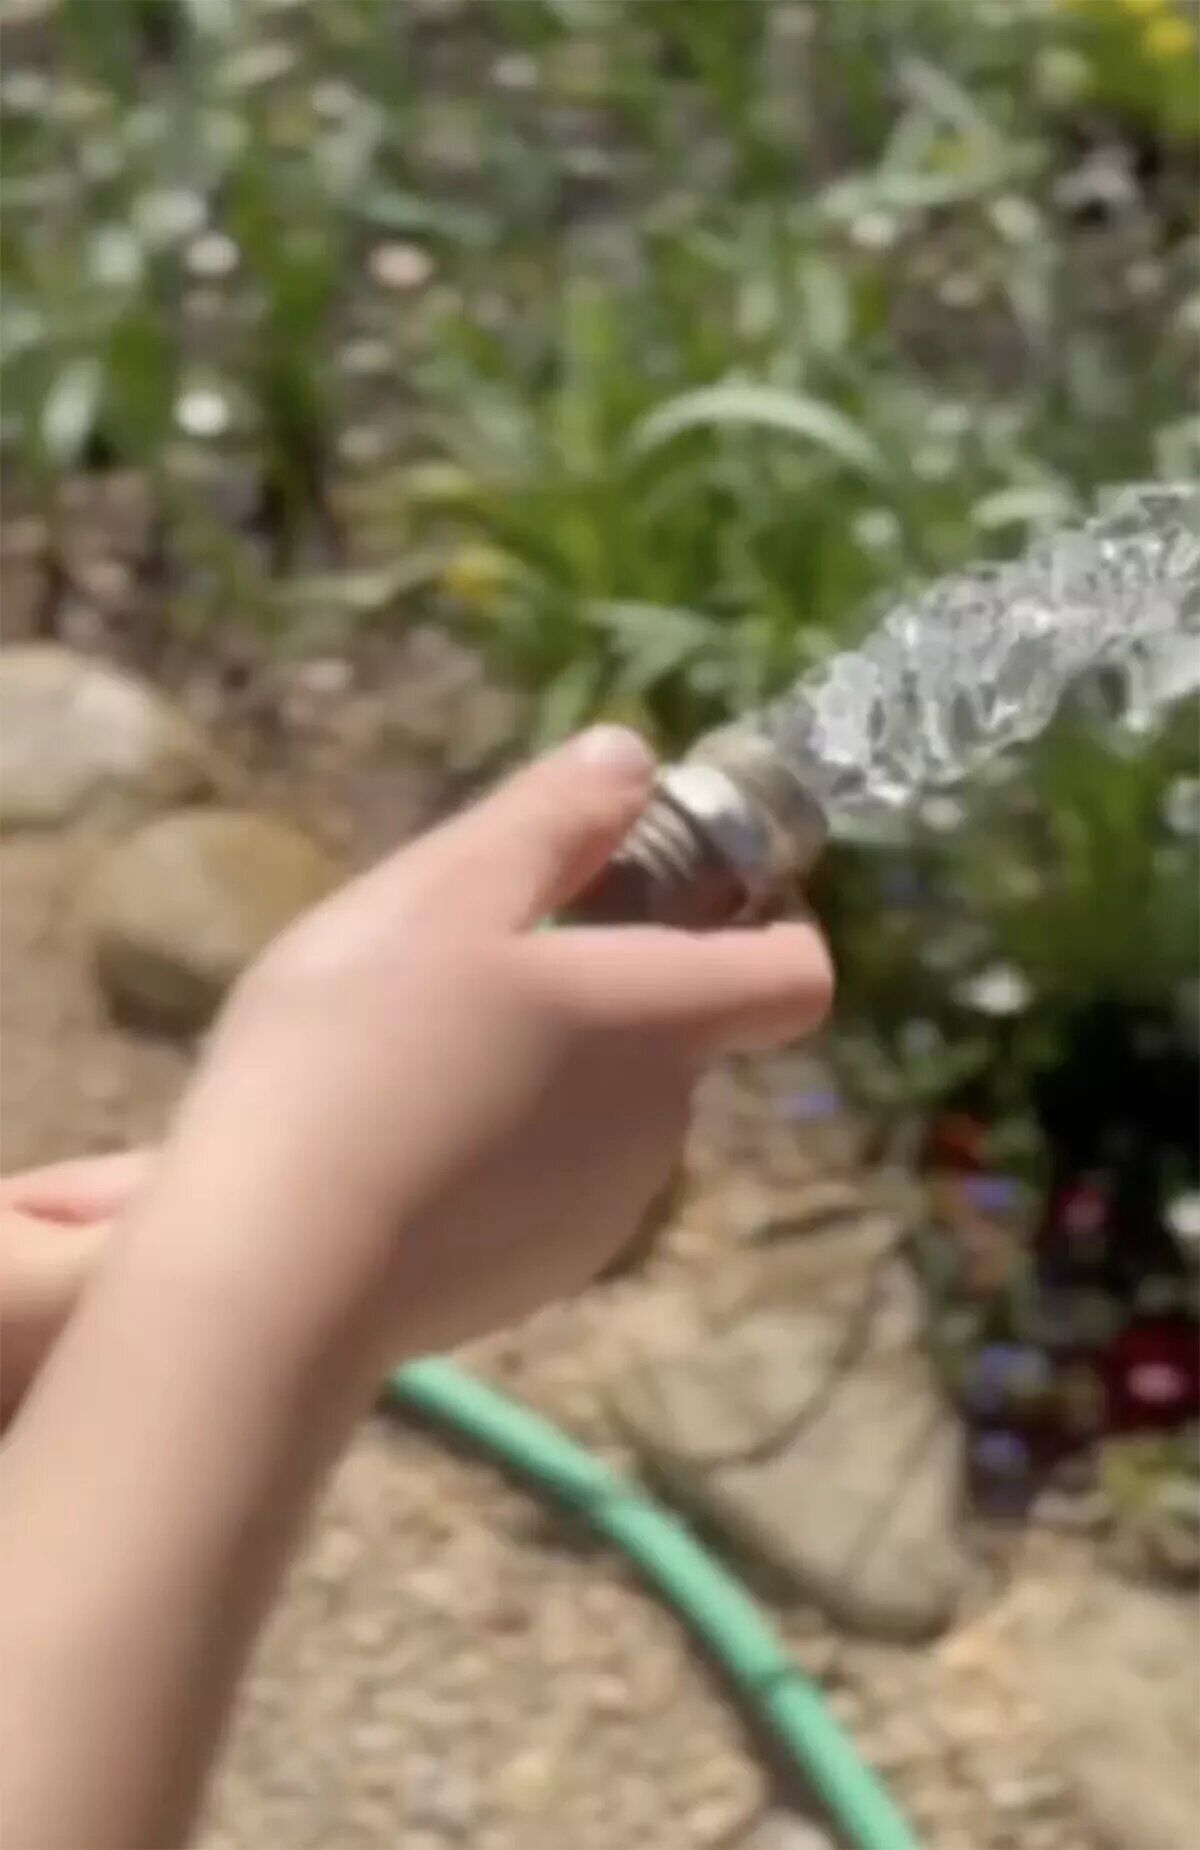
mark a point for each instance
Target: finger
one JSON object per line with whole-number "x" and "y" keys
{"x": 722, "y": 991}
{"x": 43, "y": 1280}
{"x": 535, "y": 842}
{"x": 83, "y": 1189}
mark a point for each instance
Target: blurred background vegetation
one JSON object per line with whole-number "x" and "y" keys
{"x": 652, "y": 344}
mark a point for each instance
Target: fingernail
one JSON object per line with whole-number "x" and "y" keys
{"x": 616, "y": 749}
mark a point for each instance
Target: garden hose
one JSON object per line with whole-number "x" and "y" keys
{"x": 714, "y": 1605}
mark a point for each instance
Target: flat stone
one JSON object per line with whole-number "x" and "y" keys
{"x": 82, "y": 741}
{"x": 824, "y": 1202}
{"x": 842, "y": 1272}
{"x": 819, "y": 1443}
{"x": 182, "y": 906}
{"x": 1116, "y": 1672}
{"x": 785, "y": 1830}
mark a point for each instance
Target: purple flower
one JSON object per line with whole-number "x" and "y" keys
{"x": 1002, "y": 1454}
{"x": 813, "y": 1106}
{"x": 991, "y": 1194}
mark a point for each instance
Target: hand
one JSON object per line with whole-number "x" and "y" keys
{"x": 421, "y": 1118}
{"x": 418, "y": 1118}
{"x": 53, "y": 1226}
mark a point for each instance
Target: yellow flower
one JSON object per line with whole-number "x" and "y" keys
{"x": 475, "y": 574}
{"x": 1165, "y": 40}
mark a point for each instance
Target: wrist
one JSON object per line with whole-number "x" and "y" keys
{"x": 277, "y": 1283}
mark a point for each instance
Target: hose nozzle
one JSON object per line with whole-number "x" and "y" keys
{"x": 726, "y": 837}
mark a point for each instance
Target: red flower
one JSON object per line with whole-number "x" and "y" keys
{"x": 956, "y": 1141}
{"x": 1151, "y": 1373}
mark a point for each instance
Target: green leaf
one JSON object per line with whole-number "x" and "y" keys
{"x": 565, "y": 701}
{"x": 760, "y": 407}
{"x": 1032, "y": 504}
{"x": 69, "y": 411}
{"x": 388, "y": 208}
{"x": 652, "y": 640}
{"x": 215, "y": 17}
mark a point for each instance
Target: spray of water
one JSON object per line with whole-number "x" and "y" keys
{"x": 973, "y": 667}
{"x": 981, "y": 661}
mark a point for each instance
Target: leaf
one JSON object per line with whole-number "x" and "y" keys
{"x": 760, "y": 407}
{"x": 828, "y": 308}
{"x": 1033, "y": 504}
{"x": 388, "y": 208}
{"x": 69, "y": 411}
{"x": 944, "y": 98}
{"x": 565, "y": 701}
{"x": 653, "y": 640}
{"x": 367, "y": 592}
{"x": 889, "y": 190}
{"x": 217, "y": 17}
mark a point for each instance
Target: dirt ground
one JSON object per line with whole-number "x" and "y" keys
{"x": 453, "y": 1663}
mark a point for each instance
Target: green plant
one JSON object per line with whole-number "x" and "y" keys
{"x": 656, "y": 342}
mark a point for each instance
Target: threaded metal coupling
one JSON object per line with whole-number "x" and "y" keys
{"x": 726, "y": 836}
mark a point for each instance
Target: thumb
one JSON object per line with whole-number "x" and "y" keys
{"x": 543, "y": 835}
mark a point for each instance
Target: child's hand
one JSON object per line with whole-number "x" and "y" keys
{"x": 420, "y": 1117}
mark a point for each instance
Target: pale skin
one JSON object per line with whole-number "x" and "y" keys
{"x": 418, "y": 1119}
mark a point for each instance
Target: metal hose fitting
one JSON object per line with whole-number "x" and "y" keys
{"x": 726, "y": 837}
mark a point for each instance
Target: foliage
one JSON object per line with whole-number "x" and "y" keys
{"x": 660, "y": 342}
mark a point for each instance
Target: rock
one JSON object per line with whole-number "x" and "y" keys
{"x": 24, "y": 578}
{"x": 817, "y": 1439}
{"x": 81, "y": 741}
{"x": 524, "y": 1782}
{"x": 785, "y": 1830}
{"x": 838, "y": 1271}
{"x": 822, "y": 1203}
{"x": 104, "y": 515}
{"x": 183, "y": 905}
{"x": 1116, "y": 1672}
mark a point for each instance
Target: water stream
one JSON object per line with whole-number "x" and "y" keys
{"x": 980, "y": 662}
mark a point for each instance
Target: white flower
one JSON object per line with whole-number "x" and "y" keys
{"x": 999, "y": 990}
{"x": 168, "y": 214}
{"x": 114, "y": 257}
{"x": 261, "y": 63}
{"x": 1183, "y": 1218}
{"x": 364, "y": 357}
{"x": 934, "y": 462}
{"x": 943, "y": 814}
{"x": 876, "y": 529}
{"x": 362, "y": 444}
{"x": 402, "y": 267}
{"x": 874, "y": 231}
{"x": 1017, "y": 221}
{"x": 950, "y": 419}
{"x": 1181, "y": 806}
{"x": 202, "y": 411}
{"x": 962, "y": 289}
{"x": 25, "y": 92}
{"x": 212, "y": 255}
{"x": 515, "y": 71}
{"x": 332, "y": 99}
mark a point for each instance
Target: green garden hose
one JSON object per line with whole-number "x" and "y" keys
{"x": 714, "y": 1605}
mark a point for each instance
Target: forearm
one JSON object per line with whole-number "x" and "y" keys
{"x": 153, "y": 1486}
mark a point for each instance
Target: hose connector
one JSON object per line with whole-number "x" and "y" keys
{"x": 726, "y": 837}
